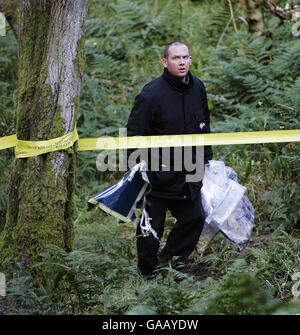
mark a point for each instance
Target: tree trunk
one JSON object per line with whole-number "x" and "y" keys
{"x": 51, "y": 60}
{"x": 253, "y": 10}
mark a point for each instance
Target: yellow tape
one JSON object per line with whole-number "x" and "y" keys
{"x": 108, "y": 143}
{"x": 34, "y": 148}
{"x": 8, "y": 142}
{"x": 254, "y": 137}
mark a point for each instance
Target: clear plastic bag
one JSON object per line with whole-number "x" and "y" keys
{"x": 226, "y": 207}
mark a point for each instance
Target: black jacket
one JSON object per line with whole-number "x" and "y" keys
{"x": 167, "y": 106}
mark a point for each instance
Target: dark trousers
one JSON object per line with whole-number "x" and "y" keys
{"x": 182, "y": 238}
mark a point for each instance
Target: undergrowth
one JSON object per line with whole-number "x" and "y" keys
{"x": 253, "y": 85}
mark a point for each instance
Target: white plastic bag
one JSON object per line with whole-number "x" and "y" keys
{"x": 226, "y": 207}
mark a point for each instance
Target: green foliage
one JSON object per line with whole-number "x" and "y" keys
{"x": 8, "y": 93}
{"x": 76, "y": 282}
{"x": 276, "y": 263}
{"x": 253, "y": 84}
{"x": 104, "y": 280}
{"x": 240, "y": 292}
{"x": 247, "y": 81}
{"x": 171, "y": 293}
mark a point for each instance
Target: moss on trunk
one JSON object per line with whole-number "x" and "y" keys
{"x": 255, "y": 17}
{"x": 51, "y": 58}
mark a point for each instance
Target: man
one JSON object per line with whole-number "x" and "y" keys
{"x": 174, "y": 103}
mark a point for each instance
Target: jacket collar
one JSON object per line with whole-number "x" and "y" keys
{"x": 176, "y": 82}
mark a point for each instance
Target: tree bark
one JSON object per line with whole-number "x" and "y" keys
{"x": 253, "y": 11}
{"x": 51, "y": 60}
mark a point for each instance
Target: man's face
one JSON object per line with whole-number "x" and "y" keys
{"x": 178, "y": 61}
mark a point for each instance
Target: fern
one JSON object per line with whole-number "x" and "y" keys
{"x": 240, "y": 293}
{"x": 217, "y": 23}
{"x": 250, "y": 79}
{"x": 103, "y": 65}
{"x": 94, "y": 26}
{"x": 286, "y": 65}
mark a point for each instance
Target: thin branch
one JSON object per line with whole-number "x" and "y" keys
{"x": 232, "y": 16}
{"x": 277, "y": 11}
{"x": 223, "y": 33}
{"x": 225, "y": 29}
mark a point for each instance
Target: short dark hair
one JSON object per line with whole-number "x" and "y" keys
{"x": 166, "y": 51}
